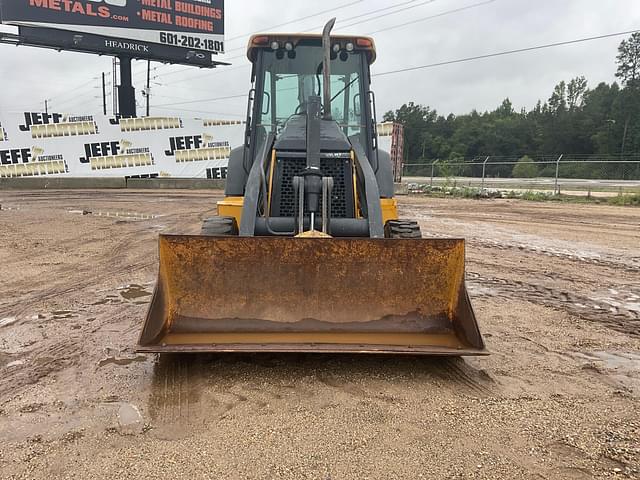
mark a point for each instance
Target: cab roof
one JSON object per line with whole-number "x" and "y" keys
{"x": 264, "y": 41}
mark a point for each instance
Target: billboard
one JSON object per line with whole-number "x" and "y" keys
{"x": 36, "y": 144}
{"x": 154, "y": 29}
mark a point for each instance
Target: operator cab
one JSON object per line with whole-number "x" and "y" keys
{"x": 288, "y": 70}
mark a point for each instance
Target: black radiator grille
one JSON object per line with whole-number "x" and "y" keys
{"x": 283, "y": 204}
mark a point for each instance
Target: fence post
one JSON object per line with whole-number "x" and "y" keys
{"x": 432, "y": 170}
{"x": 556, "y": 189}
{"x": 484, "y": 170}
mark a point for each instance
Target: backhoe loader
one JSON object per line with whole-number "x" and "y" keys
{"x": 307, "y": 253}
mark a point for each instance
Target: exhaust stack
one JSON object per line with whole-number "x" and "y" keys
{"x": 326, "y": 67}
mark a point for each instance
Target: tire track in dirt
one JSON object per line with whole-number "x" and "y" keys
{"x": 38, "y": 364}
{"x": 615, "y": 317}
{"x": 628, "y": 264}
{"x": 106, "y": 265}
{"x": 461, "y": 374}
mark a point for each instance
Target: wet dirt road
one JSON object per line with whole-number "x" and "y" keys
{"x": 556, "y": 290}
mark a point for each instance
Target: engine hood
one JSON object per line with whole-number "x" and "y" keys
{"x": 294, "y": 136}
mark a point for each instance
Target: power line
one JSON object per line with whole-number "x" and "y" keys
{"x": 430, "y": 17}
{"x": 379, "y": 10}
{"x": 507, "y": 52}
{"x": 315, "y": 28}
{"x": 427, "y": 2}
{"x": 203, "y": 100}
{"x": 442, "y": 14}
{"x": 74, "y": 92}
{"x": 330, "y": 10}
{"x": 451, "y": 62}
{"x": 199, "y": 111}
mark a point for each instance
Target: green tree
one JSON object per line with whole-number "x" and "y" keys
{"x": 628, "y": 72}
{"x": 575, "y": 93}
{"x": 558, "y": 99}
{"x": 575, "y": 120}
{"x": 525, "y": 168}
{"x": 628, "y": 60}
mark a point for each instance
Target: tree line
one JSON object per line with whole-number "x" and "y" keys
{"x": 575, "y": 120}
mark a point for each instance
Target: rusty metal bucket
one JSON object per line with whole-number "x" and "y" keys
{"x": 234, "y": 294}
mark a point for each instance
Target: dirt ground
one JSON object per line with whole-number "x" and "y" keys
{"x": 556, "y": 290}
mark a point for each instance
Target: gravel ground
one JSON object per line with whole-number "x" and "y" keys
{"x": 556, "y": 290}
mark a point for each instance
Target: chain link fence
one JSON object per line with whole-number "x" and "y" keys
{"x": 557, "y": 173}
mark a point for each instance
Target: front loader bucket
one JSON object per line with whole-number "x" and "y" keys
{"x": 236, "y": 294}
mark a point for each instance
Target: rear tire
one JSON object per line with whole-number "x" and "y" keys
{"x": 219, "y": 227}
{"x": 402, "y": 229}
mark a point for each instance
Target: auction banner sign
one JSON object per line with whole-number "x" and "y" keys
{"x": 36, "y": 144}
{"x": 189, "y": 25}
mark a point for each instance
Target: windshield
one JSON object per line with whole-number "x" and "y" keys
{"x": 290, "y": 78}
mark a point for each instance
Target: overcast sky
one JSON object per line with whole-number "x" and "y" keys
{"x": 28, "y": 76}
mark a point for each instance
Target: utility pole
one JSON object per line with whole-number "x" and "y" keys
{"x": 148, "y": 85}
{"x": 104, "y": 94}
{"x": 114, "y": 83}
{"x": 46, "y": 107}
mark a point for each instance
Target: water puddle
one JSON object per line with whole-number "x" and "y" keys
{"x": 5, "y": 322}
{"x": 134, "y": 292}
{"x": 125, "y": 216}
{"x": 107, "y": 301}
{"x": 130, "y": 419}
{"x": 479, "y": 290}
{"x": 627, "y": 361}
{"x": 621, "y": 369}
{"x": 121, "y": 361}
{"x": 620, "y": 300}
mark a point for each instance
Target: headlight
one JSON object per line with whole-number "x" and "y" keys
{"x": 350, "y": 47}
{"x": 275, "y": 45}
{"x": 288, "y": 46}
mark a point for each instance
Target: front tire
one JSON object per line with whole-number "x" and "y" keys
{"x": 219, "y": 227}
{"x": 402, "y": 229}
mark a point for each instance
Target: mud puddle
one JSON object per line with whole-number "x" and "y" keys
{"x": 617, "y": 369}
{"x": 620, "y": 299}
{"x": 612, "y": 313}
{"x": 121, "y": 361}
{"x": 134, "y": 292}
{"x": 5, "y": 322}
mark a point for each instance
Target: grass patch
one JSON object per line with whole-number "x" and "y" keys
{"x": 535, "y": 196}
{"x": 625, "y": 200}
{"x": 531, "y": 196}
